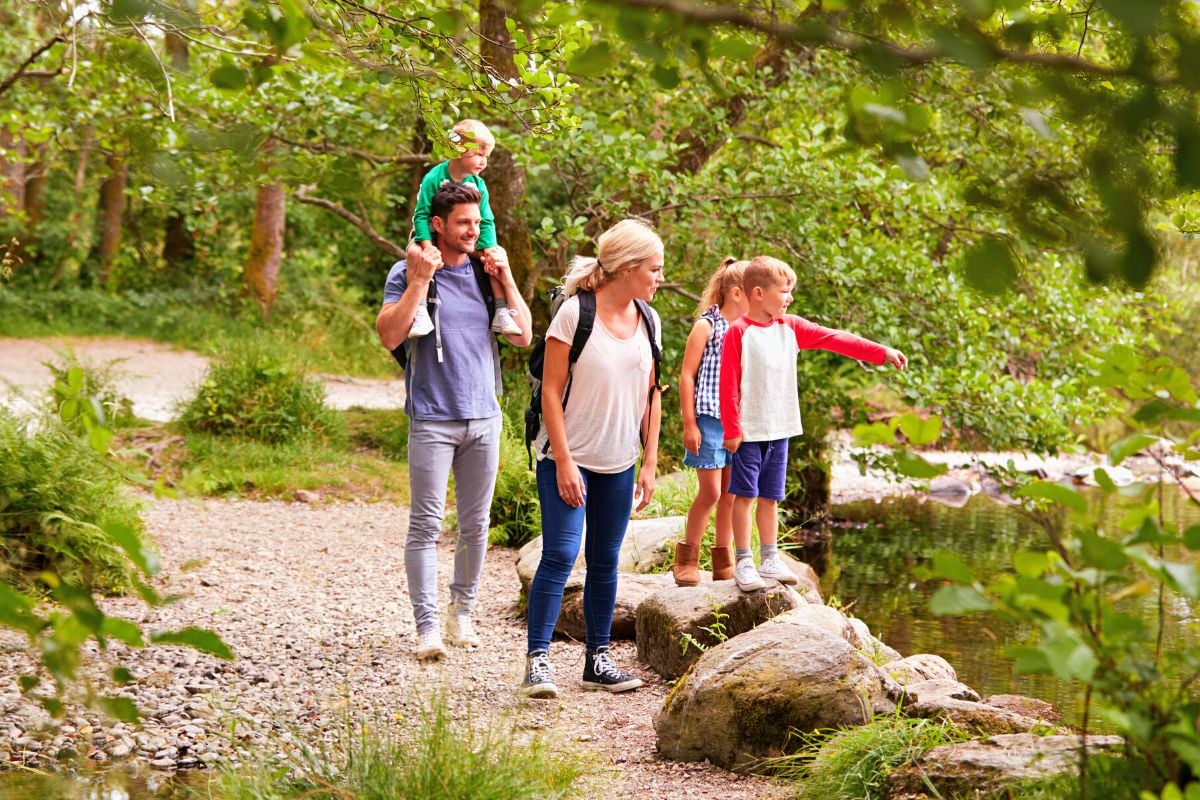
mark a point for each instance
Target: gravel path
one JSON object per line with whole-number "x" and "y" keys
{"x": 312, "y": 599}
{"x": 156, "y": 377}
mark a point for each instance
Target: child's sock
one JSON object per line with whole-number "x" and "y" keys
{"x": 767, "y": 550}
{"x": 501, "y": 303}
{"x": 743, "y": 552}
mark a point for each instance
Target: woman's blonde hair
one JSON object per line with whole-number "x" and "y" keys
{"x": 620, "y": 248}
{"x": 727, "y": 277}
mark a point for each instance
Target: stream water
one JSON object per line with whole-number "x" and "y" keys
{"x": 871, "y": 564}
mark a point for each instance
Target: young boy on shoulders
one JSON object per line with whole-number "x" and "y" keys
{"x": 475, "y": 143}
{"x": 760, "y": 407}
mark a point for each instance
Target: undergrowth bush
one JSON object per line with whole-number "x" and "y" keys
{"x": 254, "y": 392}
{"x": 437, "y": 758}
{"x": 56, "y": 493}
{"x": 516, "y": 513}
{"x": 73, "y": 379}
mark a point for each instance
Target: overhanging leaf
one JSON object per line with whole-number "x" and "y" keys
{"x": 1055, "y": 493}
{"x": 200, "y": 639}
{"x": 1129, "y": 446}
{"x": 956, "y": 599}
{"x": 990, "y": 267}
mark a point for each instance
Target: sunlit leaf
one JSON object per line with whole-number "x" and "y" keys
{"x": 921, "y": 431}
{"x": 913, "y": 466}
{"x": 200, "y": 639}
{"x": 949, "y": 566}
{"x": 956, "y": 599}
{"x": 1128, "y": 446}
{"x": 121, "y": 708}
{"x": 229, "y": 77}
{"x": 1055, "y": 493}
{"x": 1102, "y": 553}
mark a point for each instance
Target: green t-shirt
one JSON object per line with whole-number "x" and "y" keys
{"x": 433, "y": 181}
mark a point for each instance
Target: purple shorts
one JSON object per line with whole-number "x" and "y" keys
{"x": 759, "y": 469}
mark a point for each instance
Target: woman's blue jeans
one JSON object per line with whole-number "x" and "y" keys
{"x": 609, "y": 499}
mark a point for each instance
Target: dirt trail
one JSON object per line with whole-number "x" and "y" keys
{"x": 155, "y": 376}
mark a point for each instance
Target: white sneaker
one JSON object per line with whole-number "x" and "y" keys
{"x": 422, "y": 325}
{"x": 430, "y": 647}
{"x": 505, "y": 321}
{"x": 773, "y": 567}
{"x": 746, "y": 575}
{"x": 459, "y": 630}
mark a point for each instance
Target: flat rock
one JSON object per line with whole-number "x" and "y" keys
{"x": 677, "y": 624}
{"x": 632, "y": 590}
{"x": 981, "y": 765}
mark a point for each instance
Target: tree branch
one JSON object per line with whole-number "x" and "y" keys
{"x": 855, "y": 43}
{"x": 20, "y": 71}
{"x": 377, "y": 239}
{"x": 325, "y": 146}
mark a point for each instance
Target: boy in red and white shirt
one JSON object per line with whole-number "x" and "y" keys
{"x": 760, "y": 408}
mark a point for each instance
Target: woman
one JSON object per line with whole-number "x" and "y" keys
{"x": 589, "y": 471}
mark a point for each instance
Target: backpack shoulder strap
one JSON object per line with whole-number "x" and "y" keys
{"x": 652, "y": 331}
{"x": 587, "y": 318}
{"x": 484, "y": 283}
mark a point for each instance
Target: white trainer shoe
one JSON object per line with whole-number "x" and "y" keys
{"x": 430, "y": 647}
{"x": 505, "y": 321}
{"x": 459, "y": 630}
{"x": 747, "y": 576}
{"x": 773, "y": 567}
{"x": 422, "y": 325}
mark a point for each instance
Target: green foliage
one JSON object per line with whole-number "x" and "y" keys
{"x": 253, "y": 392}
{"x": 516, "y": 512}
{"x": 853, "y": 763}
{"x": 384, "y": 430}
{"x": 65, "y": 513}
{"x": 716, "y": 630}
{"x": 73, "y": 380}
{"x": 57, "y": 497}
{"x": 433, "y": 757}
{"x": 1075, "y": 596}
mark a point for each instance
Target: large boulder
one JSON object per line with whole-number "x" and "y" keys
{"x": 920, "y": 667}
{"x": 676, "y": 625}
{"x": 744, "y": 698}
{"x": 977, "y": 767}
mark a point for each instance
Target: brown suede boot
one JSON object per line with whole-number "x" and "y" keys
{"x": 687, "y": 560}
{"x": 722, "y": 563}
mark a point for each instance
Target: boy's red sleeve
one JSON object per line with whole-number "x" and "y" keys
{"x": 811, "y": 336}
{"x": 731, "y": 383}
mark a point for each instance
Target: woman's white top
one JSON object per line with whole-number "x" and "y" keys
{"x": 609, "y": 389}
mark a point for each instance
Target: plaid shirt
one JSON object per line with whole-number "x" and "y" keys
{"x": 708, "y": 379}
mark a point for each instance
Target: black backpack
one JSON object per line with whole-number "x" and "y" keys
{"x": 537, "y": 358}
{"x": 400, "y": 352}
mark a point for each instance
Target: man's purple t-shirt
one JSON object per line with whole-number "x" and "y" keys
{"x": 463, "y": 385}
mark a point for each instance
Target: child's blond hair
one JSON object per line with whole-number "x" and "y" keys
{"x": 620, "y": 248}
{"x": 469, "y": 133}
{"x": 764, "y": 271}
{"x": 727, "y": 277}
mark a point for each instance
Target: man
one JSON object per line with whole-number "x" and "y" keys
{"x": 451, "y": 382}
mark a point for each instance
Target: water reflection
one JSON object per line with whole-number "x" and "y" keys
{"x": 873, "y": 555}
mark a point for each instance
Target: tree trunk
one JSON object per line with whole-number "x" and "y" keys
{"x": 178, "y": 245}
{"x": 12, "y": 174}
{"x": 505, "y": 180}
{"x": 110, "y": 212}
{"x": 261, "y": 271}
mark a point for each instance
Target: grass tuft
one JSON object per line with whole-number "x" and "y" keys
{"x": 434, "y": 757}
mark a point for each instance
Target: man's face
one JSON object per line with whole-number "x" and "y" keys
{"x": 460, "y": 230}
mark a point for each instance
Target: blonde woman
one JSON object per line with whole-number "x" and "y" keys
{"x": 590, "y": 473}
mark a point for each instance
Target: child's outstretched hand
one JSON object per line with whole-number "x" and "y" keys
{"x": 895, "y": 358}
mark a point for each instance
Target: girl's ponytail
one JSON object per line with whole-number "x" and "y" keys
{"x": 726, "y": 276}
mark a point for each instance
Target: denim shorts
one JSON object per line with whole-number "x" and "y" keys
{"x": 760, "y": 469}
{"x": 712, "y": 453}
